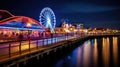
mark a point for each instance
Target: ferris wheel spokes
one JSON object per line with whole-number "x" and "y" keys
{"x": 47, "y": 18}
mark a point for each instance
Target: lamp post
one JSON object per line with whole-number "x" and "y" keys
{"x": 28, "y": 26}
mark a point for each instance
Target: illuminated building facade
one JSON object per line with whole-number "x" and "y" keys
{"x": 12, "y": 26}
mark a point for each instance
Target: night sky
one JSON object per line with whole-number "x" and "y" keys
{"x": 94, "y": 13}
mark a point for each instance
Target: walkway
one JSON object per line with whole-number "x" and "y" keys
{"x": 16, "y": 49}
{"x": 8, "y": 50}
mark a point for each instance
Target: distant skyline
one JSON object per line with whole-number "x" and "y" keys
{"x": 94, "y": 13}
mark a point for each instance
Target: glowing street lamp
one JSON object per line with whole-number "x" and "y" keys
{"x": 28, "y": 25}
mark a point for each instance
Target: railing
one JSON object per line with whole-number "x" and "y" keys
{"x": 9, "y": 50}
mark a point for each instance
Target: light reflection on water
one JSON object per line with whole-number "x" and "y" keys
{"x": 102, "y": 52}
{"x": 79, "y": 54}
{"x": 105, "y": 51}
{"x": 95, "y": 53}
{"x": 86, "y": 53}
{"x": 115, "y": 50}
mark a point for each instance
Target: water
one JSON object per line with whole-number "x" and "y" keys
{"x": 98, "y": 52}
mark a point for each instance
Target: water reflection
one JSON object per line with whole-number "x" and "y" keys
{"x": 105, "y": 51}
{"x": 92, "y": 53}
{"x": 86, "y": 53}
{"x": 95, "y": 53}
{"x": 79, "y": 55}
{"x": 115, "y": 50}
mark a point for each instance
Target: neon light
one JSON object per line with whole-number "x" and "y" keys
{"x": 18, "y": 24}
{"x": 47, "y": 18}
{"x": 18, "y": 19}
{"x": 28, "y": 25}
{"x": 40, "y": 29}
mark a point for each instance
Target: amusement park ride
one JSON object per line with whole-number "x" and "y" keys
{"x": 12, "y": 26}
{"x": 47, "y": 18}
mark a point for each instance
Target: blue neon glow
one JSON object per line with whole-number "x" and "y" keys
{"x": 47, "y": 18}
{"x": 21, "y": 26}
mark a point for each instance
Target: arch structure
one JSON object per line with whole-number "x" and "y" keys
{"x": 7, "y": 20}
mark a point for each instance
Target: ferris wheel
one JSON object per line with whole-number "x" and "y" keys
{"x": 47, "y": 18}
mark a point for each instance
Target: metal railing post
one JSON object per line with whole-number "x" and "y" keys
{"x": 20, "y": 48}
{"x": 29, "y": 44}
{"x": 9, "y": 50}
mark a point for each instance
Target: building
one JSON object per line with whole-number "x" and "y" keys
{"x": 79, "y": 25}
{"x": 12, "y": 26}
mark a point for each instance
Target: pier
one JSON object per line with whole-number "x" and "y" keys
{"x": 16, "y": 53}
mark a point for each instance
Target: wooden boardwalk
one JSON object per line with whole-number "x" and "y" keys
{"x": 16, "y": 52}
